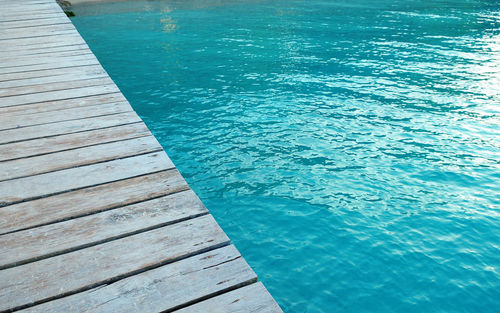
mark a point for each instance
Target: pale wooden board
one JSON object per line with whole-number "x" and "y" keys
{"x": 67, "y": 127}
{"x": 253, "y": 298}
{"x": 9, "y": 61}
{"x": 77, "y": 157}
{"x": 12, "y": 59}
{"x": 34, "y": 23}
{"x": 59, "y": 95}
{"x": 65, "y": 85}
{"x": 86, "y": 59}
{"x": 86, "y": 72}
{"x": 75, "y": 70}
{"x": 13, "y": 11}
{"x": 42, "y": 146}
{"x": 30, "y": 32}
{"x": 51, "y": 106}
{"x": 46, "y": 241}
{"x": 18, "y": 121}
{"x": 41, "y": 50}
{"x": 52, "y": 34}
{"x": 89, "y": 200}
{"x": 33, "y": 16}
{"x": 37, "y": 42}
{"x": 41, "y": 88}
{"x": 165, "y": 288}
{"x": 107, "y": 262}
{"x": 22, "y": 189}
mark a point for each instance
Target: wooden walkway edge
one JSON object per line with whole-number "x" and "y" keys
{"x": 94, "y": 216}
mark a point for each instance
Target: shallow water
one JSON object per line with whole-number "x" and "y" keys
{"x": 350, "y": 149}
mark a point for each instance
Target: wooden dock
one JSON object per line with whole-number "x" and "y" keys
{"x": 94, "y": 217}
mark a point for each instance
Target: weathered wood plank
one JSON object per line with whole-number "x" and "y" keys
{"x": 34, "y": 16}
{"x": 10, "y": 61}
{"x": 34, "y": 23}
{"x": 8, "y": 122}
{"x": 87, "y": 268}
{"x": 46, "y": 42}
{"x": 86, "y": 72}
{"x": 49, "y": 240}
{"x": 37, "y": 31}
{"x": 42, "y": 88}
{"x": 67, "y": 127}
{"x": 84, "y": 59}
{"x": 253, "y": 298}
{"x": 10, "y": 80}
{"x": 77, "y": 157}
{"x": 89, "y": 200}
{"x": 42, "y": 50}
{"x": 22, "y": 189}
{"x": 163, "y": 289}
{"x": 60, "y": 95}
{"x": 41, "y": 146}
{"x": 6, "y": 14}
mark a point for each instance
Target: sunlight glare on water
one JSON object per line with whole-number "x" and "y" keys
{"x": 350, "y": 149}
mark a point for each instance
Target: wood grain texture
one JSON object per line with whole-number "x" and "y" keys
{"x": 74, "y": 61}
{"x": 74, "y": 71}
{"x": 253, "y": 298}
{"x": 37, "y": 89}
{"x": 27, "y": 188}
{"x": 67, "y": 127}
{"x": 86, "y": 72}
{"x": 36, "y": 50}
{"x": 163, "y": 289}
{"x": 53, "y": 144}
{"x": 18, "y": 121}
{"x": 50, "y": 96}
{"x": 41, "y": 242}
{"x": 50, "y": 106}
{"x": 90, "y": 200}
{"x": 77, "y": 157}
{"x": 33, "y": 23}
{"x": 88, "y": 268}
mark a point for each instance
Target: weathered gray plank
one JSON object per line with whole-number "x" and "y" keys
{"x": 86, "y": 72}
{"x": 49, "y": 240}
{"x": 77, "y": 157}
{"x": 59, "y": 95}
{"x": 10, "y": 61}
{"x": 63, "y": 104}
{"x": 33, "y": 16}
{"x": 42, "y": 88}
{"x": 163, "y": 289}
{"x": 6, "y": 78}
{"x": 71, "y": 141}
{"x": 89, "y": 200}
{"x": 43, "y": 50}
{"x": 17, "y": 121}
{"x": 37, "y": 31}
{"x": 46, "y": 42}
{"x": 33, "y": 23}
{"x": 27, "y": 188}
{"x": 84, "y": 59}
{"x": 97, "y": 265}
{"x": 67, "y": 127}
{"x": 253, "y": 298}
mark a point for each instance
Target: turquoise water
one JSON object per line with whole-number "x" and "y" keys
{"x": 350, "y": 149}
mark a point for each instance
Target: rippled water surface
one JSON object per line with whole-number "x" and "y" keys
{"x": 350, "y": 149}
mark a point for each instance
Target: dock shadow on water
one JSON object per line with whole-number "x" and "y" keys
{"x": 349, "y": 148}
